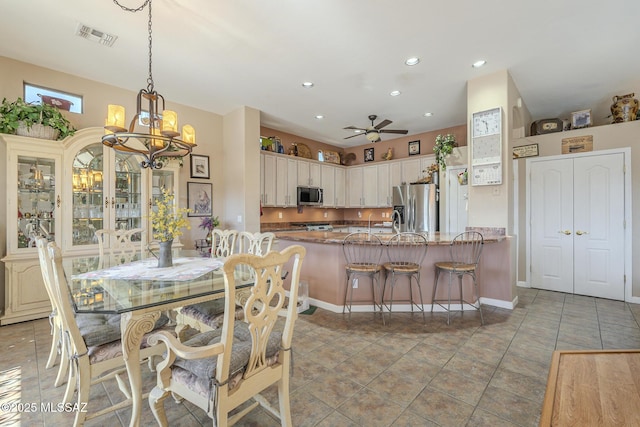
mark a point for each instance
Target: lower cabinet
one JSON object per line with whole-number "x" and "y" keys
{"x": 29, "y": 300}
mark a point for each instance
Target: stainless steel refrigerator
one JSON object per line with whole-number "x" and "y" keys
{"x": 415, "y": 208}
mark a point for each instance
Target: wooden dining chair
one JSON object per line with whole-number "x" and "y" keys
{"x": 55, "y": 318}
{"x": 119, "y": 244}
{"x": 223, "y": 242}
{"x": 220, "y": 370}
{"x": 209, "y": 315}
{"x": 92, "y": 344}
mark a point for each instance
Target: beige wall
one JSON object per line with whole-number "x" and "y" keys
{"x": 606, "y": 137}
{"x": 96, "y": 97}
{"x": 400, "y": 145}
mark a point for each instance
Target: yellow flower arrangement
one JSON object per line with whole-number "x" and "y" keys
{"x": 167, "y": 221}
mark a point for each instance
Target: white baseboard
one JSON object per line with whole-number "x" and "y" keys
{"x": 522, "y": 284}
{"x": 407, "y": 308}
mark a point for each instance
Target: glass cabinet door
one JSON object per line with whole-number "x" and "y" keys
{"x": 36, "y": 199}
{"x": 89, "y": 199}
{"x": 128, "y": 192}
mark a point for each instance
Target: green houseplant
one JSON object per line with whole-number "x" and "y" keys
{"x": 19, "y": 114}
{"x": 443, "y": 147}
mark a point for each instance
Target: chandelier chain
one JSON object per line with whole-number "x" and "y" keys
{"x": 138, "y": 9}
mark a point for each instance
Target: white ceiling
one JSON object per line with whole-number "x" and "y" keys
{"x": 563, "y": 55}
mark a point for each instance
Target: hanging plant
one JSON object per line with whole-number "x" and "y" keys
{"x": 17, "y": 114}
{"x": 443, "y": 147}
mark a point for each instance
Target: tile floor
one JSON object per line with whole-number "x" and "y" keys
{"x": 362, "y": 373}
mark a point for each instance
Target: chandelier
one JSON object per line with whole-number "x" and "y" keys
{"x": 161, "y": 139}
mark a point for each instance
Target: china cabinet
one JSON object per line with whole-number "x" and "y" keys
{"x": 65, "y": 191}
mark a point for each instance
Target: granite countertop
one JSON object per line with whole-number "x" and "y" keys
{"x": 332, "y": 237}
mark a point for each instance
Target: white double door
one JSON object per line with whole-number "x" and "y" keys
{"x": 577, "y": 234}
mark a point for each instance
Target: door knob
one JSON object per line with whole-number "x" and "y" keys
{"x": 580, "y": 233}
{"x": 565, "y": 232}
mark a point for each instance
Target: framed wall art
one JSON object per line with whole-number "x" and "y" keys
{"x": 368, "y": 154}
{"x": 581, "y": 119}
{"x": 199, "y": 198}
{"x": 199, "y": 166}
{"x": 414, "y": 147}
{"x": 522, "y": 151}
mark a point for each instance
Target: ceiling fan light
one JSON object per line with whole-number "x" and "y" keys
{"x": 373, "y": 136}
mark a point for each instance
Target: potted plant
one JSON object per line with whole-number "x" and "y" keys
{"x": 444, "y": 147}
{"x": 22, "y": 118}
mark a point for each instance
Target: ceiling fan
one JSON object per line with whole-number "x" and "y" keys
{"x": 373, "y": 132}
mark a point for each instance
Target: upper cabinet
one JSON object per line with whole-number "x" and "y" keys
{"x": 309, "y": 174}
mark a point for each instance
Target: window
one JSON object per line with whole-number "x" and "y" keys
{"x": 63, "y": 100}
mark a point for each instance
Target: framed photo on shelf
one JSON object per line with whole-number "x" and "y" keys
{"x": 414, "y": 147}
{"x": 581, "y": 119}
{"x": 199, "y": 198}
{"x": 522, "y": 151}
{"x": 199, "y": 166}
{"x": 368, "y": 154}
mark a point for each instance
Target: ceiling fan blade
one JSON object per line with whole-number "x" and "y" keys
{"x": 357, "y": 134}
{"x": 382, "y": 124}
{"x": 404, "y": 132}
{"x": 354, "y": 128}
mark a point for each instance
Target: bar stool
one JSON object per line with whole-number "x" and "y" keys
{"x": 362, "y": 253}
{"x": 465, "y": 250}
{"x": 405, "y": 254}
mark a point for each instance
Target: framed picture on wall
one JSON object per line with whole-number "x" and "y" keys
{"x": 199, "y": 198}
{"x": 199, "y": 166}
{"x": 368, "y": 154}
{"x": 414, "y": 147}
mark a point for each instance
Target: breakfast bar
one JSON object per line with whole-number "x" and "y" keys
{"x": 324, "y": 270}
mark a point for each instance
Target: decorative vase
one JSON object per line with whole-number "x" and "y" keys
{"x": 209, "y": 238}
{"x": 624, "y": 108}
{"x": 165, "y": 258}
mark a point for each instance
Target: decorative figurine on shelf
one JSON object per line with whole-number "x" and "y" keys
{"x": 388, "y": 155}
{"x": 463, "y": 177}
{"x": 167, "y": 221}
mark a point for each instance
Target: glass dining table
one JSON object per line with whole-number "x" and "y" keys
{"x": 139, "y": 291}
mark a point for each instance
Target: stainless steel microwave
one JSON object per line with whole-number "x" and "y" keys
{"x": 309, "y": 196}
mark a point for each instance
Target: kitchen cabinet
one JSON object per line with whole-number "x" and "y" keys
{"x": 328, "y": 186}
{"x": 577, "y": 224}
{"x": 309, "y": 174}
{"x": 286, "y": 182}
{"x": 362, "y": 186}
{"x": 340, "y": 187}
{"x": 411, "y": 170}
{"x": 65, "y": 191}
{"x": 384, "y": 185}
{"x": 333, "y": 184}
{"x": 268, "y": 182}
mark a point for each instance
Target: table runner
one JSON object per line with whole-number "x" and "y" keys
{"x": 184, "y": 269}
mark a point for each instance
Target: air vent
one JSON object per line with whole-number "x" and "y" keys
{"x": 94, "y": 35}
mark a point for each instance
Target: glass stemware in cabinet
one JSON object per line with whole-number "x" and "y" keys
{"x": 88, "y": 192}
{"x": 128, "y": 192}
{"x": 36, "y": 200}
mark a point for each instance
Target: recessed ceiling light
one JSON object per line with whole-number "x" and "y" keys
{"x": 319, "y": 116}
{"x": 412, "y": 61}
{"x": 479, "y": 64}
{"x": 307, "y": 85}
{"x": 428, "y": 114}
{"x": 395, "y": 93}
